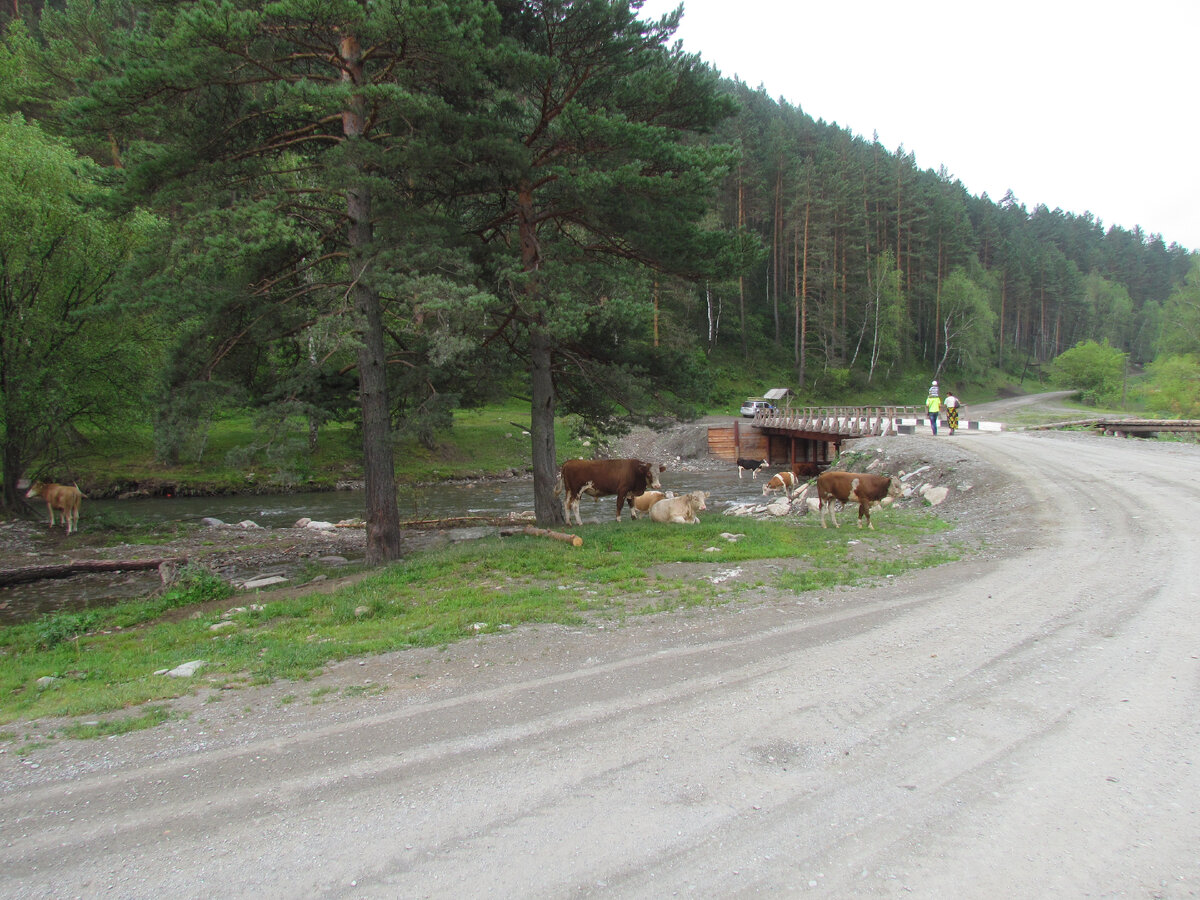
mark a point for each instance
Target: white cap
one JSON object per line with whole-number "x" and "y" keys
{"x": 934, "y": 384}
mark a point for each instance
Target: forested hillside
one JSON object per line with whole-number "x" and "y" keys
{"x": 874, "y": 265}
{"x": 330, "y": 210}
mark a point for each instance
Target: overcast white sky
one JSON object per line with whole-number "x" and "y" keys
{"x": 1084, "y": 106}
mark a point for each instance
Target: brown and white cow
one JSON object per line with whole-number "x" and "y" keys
{"x": 679, "y": 509}
{"x": 750, "y": 465}
{"x": 66, "y": 498}
{"x": 862, "y": 488}
{"x": 780, "y": 481}
{"x": 626, "y": 478}
{"x": 640, "y": 505}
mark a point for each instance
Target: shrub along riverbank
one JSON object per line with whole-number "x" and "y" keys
{"x": 104, "y": 661}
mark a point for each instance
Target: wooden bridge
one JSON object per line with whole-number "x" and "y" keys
{"x": 805, "y": 439}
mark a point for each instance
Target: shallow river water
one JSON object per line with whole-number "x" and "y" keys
{"x": 432, "y": 501}
{"x": 429, "y": 501}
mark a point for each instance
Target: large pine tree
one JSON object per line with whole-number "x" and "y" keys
{"x": 315, "y": 113}
{"x": 596, "y": 175}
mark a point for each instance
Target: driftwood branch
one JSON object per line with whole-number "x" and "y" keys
{"x": 573, "y": 539}
{"x": 83, "y": 567}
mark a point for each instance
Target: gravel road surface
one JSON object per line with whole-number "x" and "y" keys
{"x": 1021, "y": 723}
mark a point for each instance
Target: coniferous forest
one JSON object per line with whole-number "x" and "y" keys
{"x": 338, "y": 210}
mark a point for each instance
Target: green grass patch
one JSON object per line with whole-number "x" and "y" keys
{"x": 147, "y": 718}
{"x": 104, "y": 660}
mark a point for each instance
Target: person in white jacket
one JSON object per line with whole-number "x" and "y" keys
{"x": 952, "y": 405}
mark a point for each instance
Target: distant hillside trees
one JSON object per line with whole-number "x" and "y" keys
{"x": 1174, "y": 385}
{"x": 828, "y": 204}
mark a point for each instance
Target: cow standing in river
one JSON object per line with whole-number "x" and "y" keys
{"x": 626, "y": 478}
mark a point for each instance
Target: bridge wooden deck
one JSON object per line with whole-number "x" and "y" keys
{"x": 805, "y": 439}
{"x": 842, "y": 421}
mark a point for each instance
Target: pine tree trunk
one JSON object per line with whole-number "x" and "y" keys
{"x": 804, "y": 302}
{"x": 655, "y": 312}
{"x": 777, "y": 246}
{"x": 796, "y": 302}
{"x": 383, "y": 517}
{"x": 937, "y": 298}
{"x": 13, "y": 468}
{"x": 547, "y": 508}
{"x": 741, "y": 222}
{"x": 1000, "y": 340}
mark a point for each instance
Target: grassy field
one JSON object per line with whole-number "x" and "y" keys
{"x": 103, "y": 661}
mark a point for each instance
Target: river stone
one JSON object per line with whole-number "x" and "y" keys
{"x": 780, "y": 507}
{"x": 935, "y": 495}
{"x": 265, "y": 581}
{"x": 184, "y": 670}
{"x": 210, "y": 522}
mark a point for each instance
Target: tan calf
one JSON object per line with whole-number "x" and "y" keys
{"x": 643, "y": 502}
{"x": 66, "y": 498}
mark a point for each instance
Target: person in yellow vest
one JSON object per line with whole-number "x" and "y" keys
{"x": 933, "y": 403}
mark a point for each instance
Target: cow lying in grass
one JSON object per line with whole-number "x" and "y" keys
{"x": 642, "y": 502}
{"x": 858, "y": 487}
{"x": 66, "y": 498}
{"x": 679, "y": 509}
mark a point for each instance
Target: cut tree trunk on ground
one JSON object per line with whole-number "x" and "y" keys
{"x": 83, "y": 567}
{"x": 573, "y": 539}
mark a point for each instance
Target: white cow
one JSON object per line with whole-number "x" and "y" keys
{"x": 679, "y": 509}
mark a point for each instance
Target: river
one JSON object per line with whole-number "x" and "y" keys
{"x": 423, "y": 501}
{"x": 492, "y": 498}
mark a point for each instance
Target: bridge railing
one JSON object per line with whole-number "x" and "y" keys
{"x": 850, "y": 421}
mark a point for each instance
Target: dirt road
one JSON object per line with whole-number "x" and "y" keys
{"x": 1023, "y": 724}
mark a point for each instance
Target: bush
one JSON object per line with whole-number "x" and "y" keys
{"x": 1174, "y": 386}
{"x": 1096, "y": 371}
{"x": 59, "y": 628}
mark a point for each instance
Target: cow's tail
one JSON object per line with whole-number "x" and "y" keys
{"x": 558, "y": 485}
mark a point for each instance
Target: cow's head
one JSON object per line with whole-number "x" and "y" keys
{"x": 648, "y": 475}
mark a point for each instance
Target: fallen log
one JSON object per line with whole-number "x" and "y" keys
{"x": 573, "y": 539}
{"x": 28, "y": 574}
{"x": 455, "y": 522}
